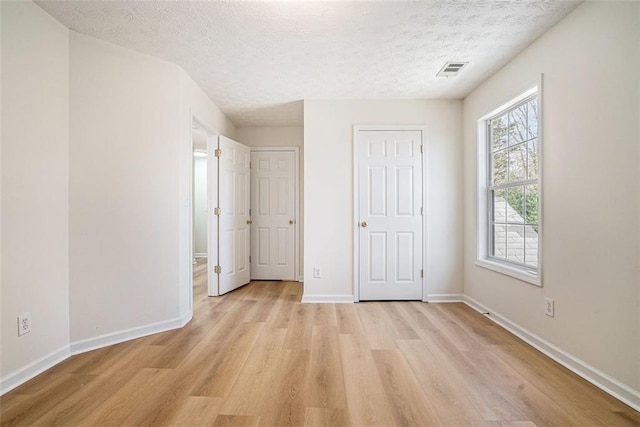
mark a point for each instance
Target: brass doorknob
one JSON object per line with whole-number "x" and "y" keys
{"x": 292, "y": 221}
{"x": 249, "y": 221}
{"x": 363, "y": 224}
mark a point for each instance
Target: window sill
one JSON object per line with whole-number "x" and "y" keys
{"x": 516, "y": 273}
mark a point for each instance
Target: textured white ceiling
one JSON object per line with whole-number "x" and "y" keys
{"x": 258, "y": 60}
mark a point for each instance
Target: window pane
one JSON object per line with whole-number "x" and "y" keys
{"x": 499, "y": 166}
{"x": 518, "y": 125}
{"x": 517, "y": 163}
{"x": 532, "y": 118}
{"x": 499, "y": 241}
{"x": 532, "y": 158}
{"x": 515, "y": 205}
{"x": 500, "y": 206}
{"x": 531, "y": 246}
{"x": 515, "y": 243}
{"x": 531, "y": 205}
{"x": 499, "y": 133}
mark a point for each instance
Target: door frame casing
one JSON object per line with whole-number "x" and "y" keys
{"x": 213, "y": 134}
{"x": 296, "y": 192}
{"x": 356, "y": 201}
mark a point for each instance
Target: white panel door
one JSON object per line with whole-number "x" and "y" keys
{"x": 233, "y": 201}
{"x": 273, "y": 202}
{"x": 390, "y": 203}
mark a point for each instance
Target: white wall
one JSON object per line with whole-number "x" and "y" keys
{"x": 328, "y": 189}
{"x": 123, "y": 188}
{"x": 35, "y": 213}
{"x": 282, "y": 136}
{"x": 591, "y": 178}
{"x": 200, "y": 206}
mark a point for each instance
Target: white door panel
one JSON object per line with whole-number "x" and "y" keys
{"x": 273, "y": 214}
{"x": 234, "y": 232}
{"x": 390, "y": 202}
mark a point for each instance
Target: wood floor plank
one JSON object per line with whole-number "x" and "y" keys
{"x": 128, "y": 401}
{"x": 288, "y": 392}
{"x": 325, "y": 315}
{"x": 194, "y": 411}
{"x": 57, "y": 390}
{"x": 409, "y": 404}
{"x": 348, "y": 320}
{"x": 218, "y": 378}
{"x": 257, "y": 356}
{"x": 449, "y": 399}
{"x": 253, "y": 391}
{"x": 236, "y": 421}
{"x": 494, "y": 403}
{"x": 300, "y": 327}
{"x": 324, "y": 380}
{"x": 366, "y": 401}
{"x": 324, "y": 417}
{"x": 377, "y": 326}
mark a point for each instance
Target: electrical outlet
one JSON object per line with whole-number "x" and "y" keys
{"x": 549, "y": 307}
{"x": 316, "y": 272}
{"x": 24, "y": 324}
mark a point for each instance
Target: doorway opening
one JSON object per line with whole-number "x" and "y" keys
{"x": 200, "y": 247}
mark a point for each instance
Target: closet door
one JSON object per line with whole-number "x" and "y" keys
{"x": 273, "y": 212}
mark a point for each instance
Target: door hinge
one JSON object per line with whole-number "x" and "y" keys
{"x": 421, "y": 273}
{"x": 421, "y": 212}
{"x": 217, "y": 269}
{"x": 217, "y": 211}
{"x": 249, "y": 259}
{"x": 421, "y": 150}
{"x": 217, "y": 152}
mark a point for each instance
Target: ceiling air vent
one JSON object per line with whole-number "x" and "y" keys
{"x": 451, "y": 69}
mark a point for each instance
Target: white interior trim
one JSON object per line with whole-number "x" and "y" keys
{"x": 482, "y": 230}
{"x": 211, "y": 132}
{"x": 106, "y": 340}
{"x": 328, "y": 299}
{"x": 442, "y": 298}
{"x": 297, "y": 273}
{"x": 356, "y": 204}
{"x": 20, "y": 376}
{"x": 213, "y": 175}
{"x": 595, "y": 376}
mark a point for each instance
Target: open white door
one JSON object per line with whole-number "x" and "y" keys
{"x": 233, "y": 215}
{"x": 390, "y": 223}
{"x": 212, "y": 219}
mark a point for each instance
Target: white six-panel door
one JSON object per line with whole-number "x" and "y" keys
{"x": 233, "y": 228}
{"x": 390, "y": 223}
{"x": 273, "y": 214}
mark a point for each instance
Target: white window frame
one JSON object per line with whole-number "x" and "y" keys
{"x": 483, "y": 238}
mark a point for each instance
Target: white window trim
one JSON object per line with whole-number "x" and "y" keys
{"x": 482, "y": 229}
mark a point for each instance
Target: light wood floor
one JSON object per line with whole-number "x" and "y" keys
{"x": 258, "y": 357}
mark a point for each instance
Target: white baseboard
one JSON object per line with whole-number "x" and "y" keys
{"x": 596, "y": 377}
{"x": 22, "y": 375}
{"x": 300, "y": 279}
{"x": 444, "y": 298}
{"x": 105, "y": 340}
{"x": 199, "y": 255}
{"x": 330, "y": 299}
